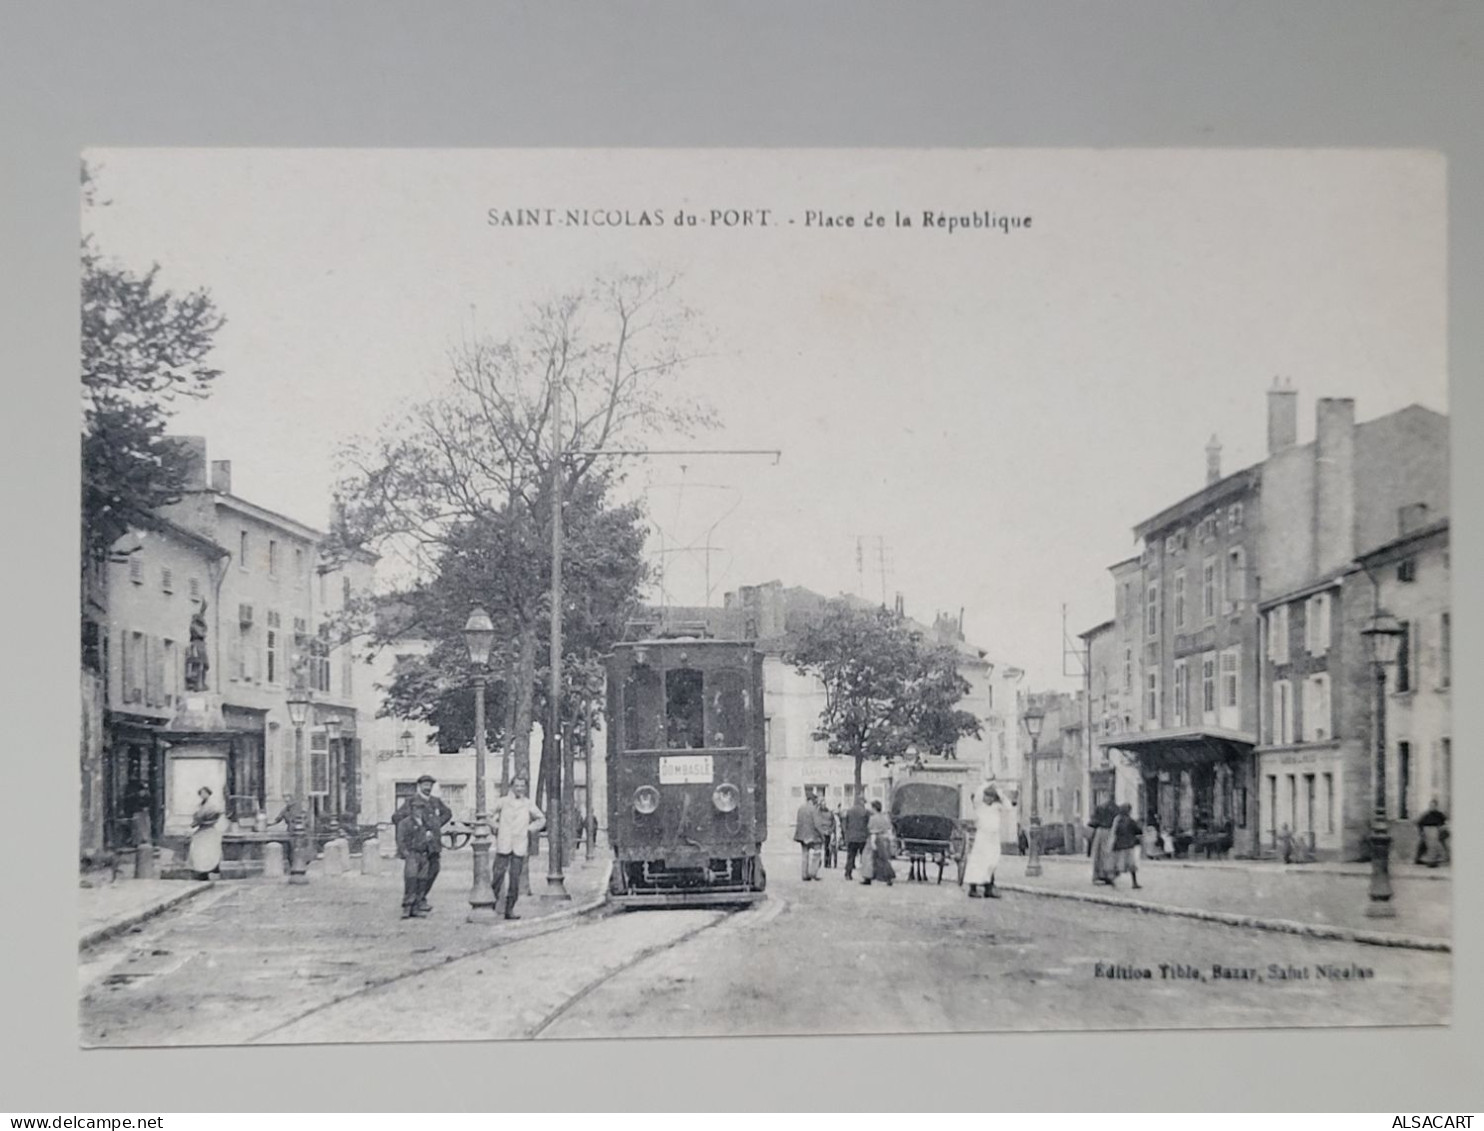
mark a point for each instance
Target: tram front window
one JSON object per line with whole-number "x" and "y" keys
{"x": 685, "y": 705}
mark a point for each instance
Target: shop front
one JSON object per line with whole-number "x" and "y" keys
{"x": 1197, "y": 786}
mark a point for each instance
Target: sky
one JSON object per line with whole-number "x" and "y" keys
{"x": 986, "y": 413}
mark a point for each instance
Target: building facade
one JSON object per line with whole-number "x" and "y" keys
{"x": 1194, "y": 630}
{"x": 1329, "y": 504}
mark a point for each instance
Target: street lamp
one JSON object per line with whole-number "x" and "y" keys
{"x": 479, "y": 635}
{"x": 1383, "y": 638}
{"x": 334, "y": 755}
{"x": 404, "y": 742}
{"x": 299, "y": 702}
{"x": 1033, "y": 718}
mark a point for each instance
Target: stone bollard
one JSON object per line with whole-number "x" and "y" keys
{"x": 370, "y": 858}
{"x": 273, "y": 860}
{"x": 337, "y": 856}
{"x": 145, "y": 865}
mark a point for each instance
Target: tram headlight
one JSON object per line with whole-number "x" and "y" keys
{"x": 725, "y": 797}
{"x": 646, "y": 799}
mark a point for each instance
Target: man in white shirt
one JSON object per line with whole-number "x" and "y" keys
{"x": 515, "y": 817}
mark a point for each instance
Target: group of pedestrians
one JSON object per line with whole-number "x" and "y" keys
{"x": 419, "y": 823}
{"x": 864, "y": 829}
{"x": 867, "y": 834}
{"x": 1114, "y": 846}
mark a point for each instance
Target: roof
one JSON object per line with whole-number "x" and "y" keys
{"x": 1235, "y": 483}
{"x": 152, "y": 521}
{"x": 1406, "y": 542}
{"x": 1106, "y": 626}
{"x": 263, "y": 514}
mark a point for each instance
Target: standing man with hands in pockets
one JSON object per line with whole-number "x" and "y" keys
{"x": 515, "y": 818}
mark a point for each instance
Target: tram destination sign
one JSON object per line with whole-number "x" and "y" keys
{"x": 688, "y": 770}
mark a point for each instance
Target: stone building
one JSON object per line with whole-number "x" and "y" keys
{"x": 1409, "y": 577}
{"x": 1353, "y": 490}
{"x": 1194, "y": 632}
{"x": 135, "y": 642}
{"x": 273, "y": 620}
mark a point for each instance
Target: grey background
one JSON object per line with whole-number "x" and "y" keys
{"x": 675, "y": 74}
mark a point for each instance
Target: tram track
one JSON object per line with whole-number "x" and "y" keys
{"x": 534, "y": 930}
{"x": 759, "y": 915}
{"x": 519, "y": 1004}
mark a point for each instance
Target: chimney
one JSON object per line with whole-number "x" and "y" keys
{"x": 901, "y": 605}
{"x": 1411, "y": 517}
{"x": 221, "y": 476}
{"x": 1213, "y": 460}
{"x": 1282, "y": 415}
{"x": 194, "y": 449}
{"x": 1334, "y": 483}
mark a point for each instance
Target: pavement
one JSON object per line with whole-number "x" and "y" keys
{"x": 241, "y": 958}
{"x": 1324, "y": 900}
{"x": 107, "y": 908}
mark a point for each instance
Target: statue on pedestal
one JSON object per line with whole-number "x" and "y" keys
{"x": 196, "y": 663}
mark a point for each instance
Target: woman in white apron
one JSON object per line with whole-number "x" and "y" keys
{"x": 206, "y": 836}
{"x": 984, "y": 857}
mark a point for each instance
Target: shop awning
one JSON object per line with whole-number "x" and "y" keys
{"x": 1183, "y": 748}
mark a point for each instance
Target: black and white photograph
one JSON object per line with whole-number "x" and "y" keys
{"x": 596, "y": 593}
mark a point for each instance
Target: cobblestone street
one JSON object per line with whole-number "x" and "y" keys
{"x": 264, "y": 962}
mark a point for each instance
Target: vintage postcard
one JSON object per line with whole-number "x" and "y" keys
{"x": 595, "y": 593}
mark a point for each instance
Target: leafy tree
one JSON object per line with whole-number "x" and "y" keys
{"x": 884, "y": 690}
{"x": 143, "y": 349}
{"x": 934, "y": 721}
{"x": 484, "y": 561}
{"x": 482, "y": 458}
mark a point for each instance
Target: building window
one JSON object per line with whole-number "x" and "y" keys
{"x": 1444, "y": 786}
{"x": 1317, "y": 709}
{"x": 1151, "y": 609}
{"x": 1229, "y": 680}
{"x": 194, "y": 588}
{"x": 1317, "y": 624}
{"x": 1236, "y": 578}
{"x": 319, "y": 763}
{"x": 272, "y": 557}
{"x": 271, "y": 646}
{"x": 1445, "y": 650}
{"x": 1278, "y": 635}
{"x": 1128, "y": 671}
{"x": 1405, "y": 680}
{"x": 1282, "y": 713}
{"x": 1234, "y": 517}
{"x": 136, "y": 570}
{"x": 1151, "y": 704}
{"x": 1329, "y": 803}
{"x": 242, "y": 548}
{"x": 167, "y": 580}
{"x": 1403, "y": 780}
{"x": 1273, "y": 805}
{"x": 1182, "y": 693}
{"x": 1180, "y": 599}
{"x": 1208, "y": 684}
{"x": 298, "y": 565}
{"x": 1208, "y": 589}
{"x": 1406, "y": 570}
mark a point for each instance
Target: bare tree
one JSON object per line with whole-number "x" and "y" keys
{"x": 483, "y": 449}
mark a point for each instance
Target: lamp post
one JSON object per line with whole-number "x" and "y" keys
{"x": 299, "y": 703}
{"x": 404, "y": 743}
{"x": 334, "y": 755}
{"x": 479, "y": 634}
{"x": 1383, "y": 639}
{"x": 1033, "y": 718}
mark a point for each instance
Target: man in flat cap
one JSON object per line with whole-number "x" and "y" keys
{"x": 419, "y": 823}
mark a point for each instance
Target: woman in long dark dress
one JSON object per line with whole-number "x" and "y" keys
{"x": 878, "y": 847}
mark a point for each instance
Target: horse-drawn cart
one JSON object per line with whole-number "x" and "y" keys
{"x": 928, "y": 829}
